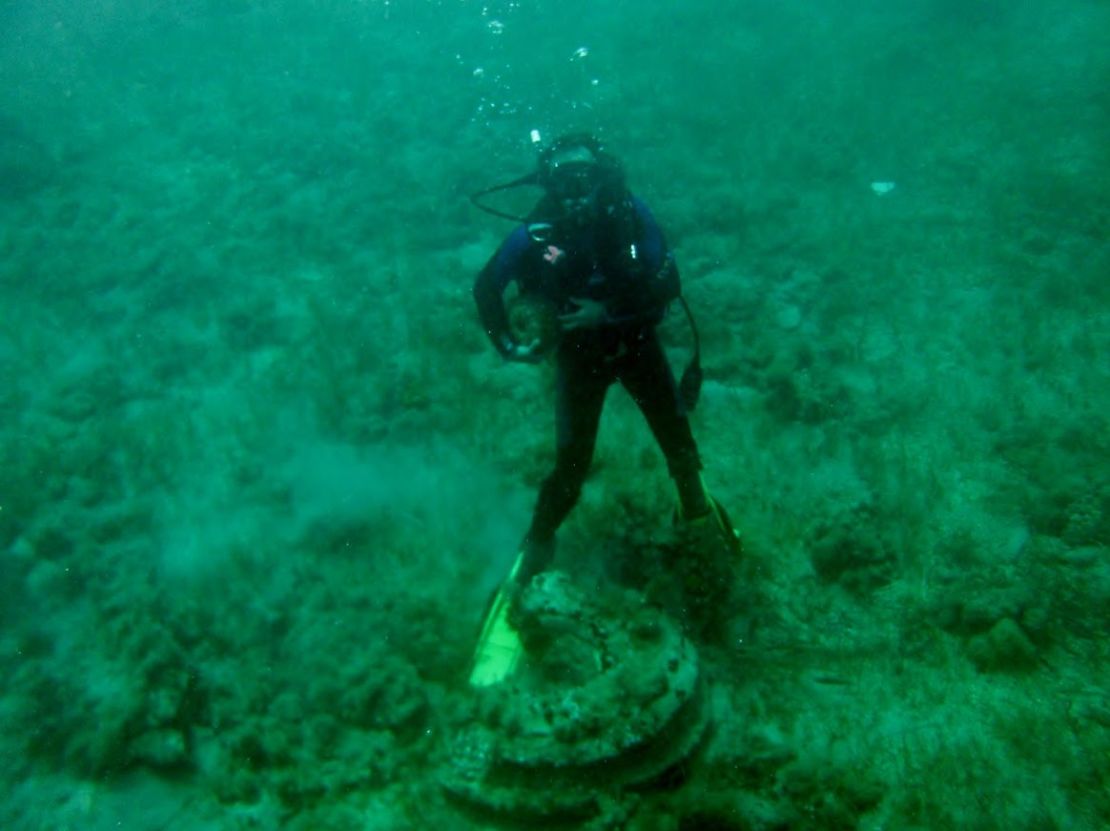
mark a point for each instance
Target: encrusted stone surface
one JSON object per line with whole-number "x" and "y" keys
{"x": 608, "y": 697}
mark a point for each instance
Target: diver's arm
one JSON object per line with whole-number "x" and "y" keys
{"x": 491, "y": 309}
{"x": 588, "y": 314}
{"x": 489, "y": 289}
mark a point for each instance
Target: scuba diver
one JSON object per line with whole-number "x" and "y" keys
{"x": 592, "y": 251}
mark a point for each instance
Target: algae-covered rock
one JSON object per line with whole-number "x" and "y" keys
{"x": 382, "y": 694}
{"x": 752, "y": 755}
{"x": 851, "y": 552}
{"x": 547, "y": 744}
{"x": 828, "y": 796}
{"x": 161, "y": 749}
{"x": 556, "y": 627}
{"x": 1005, "y": 648}
{"x": 984, "y": 608}
{"x": 1085, "y": 556}
{"x": 1087, "y": 521}
{"x": 974, "y": 605}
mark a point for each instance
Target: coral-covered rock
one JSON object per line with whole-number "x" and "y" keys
{"x": 162, "y": 749}
{"x": 1005, "y": 648}
{"x": 851, "y": 552}
{"x": 549, "y": 746}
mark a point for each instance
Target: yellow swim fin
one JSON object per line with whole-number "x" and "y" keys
{"x": 728, "y": 531}
{"x": 499, "y": 646}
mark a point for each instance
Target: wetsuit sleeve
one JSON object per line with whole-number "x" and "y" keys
{"x": 489, "y": 288}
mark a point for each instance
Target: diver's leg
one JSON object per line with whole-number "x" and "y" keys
{"x": 706, "y": 544}
{"x": 579, "y": 397}
{"x": 649, "y": 380}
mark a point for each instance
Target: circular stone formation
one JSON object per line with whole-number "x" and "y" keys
{"x": 608, "y": 697}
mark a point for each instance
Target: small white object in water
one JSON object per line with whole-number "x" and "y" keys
{"x": 580, "y": 53}
{"x": 882, "y": 188}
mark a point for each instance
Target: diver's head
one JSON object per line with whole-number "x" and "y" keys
{"x": 582, "y": 181}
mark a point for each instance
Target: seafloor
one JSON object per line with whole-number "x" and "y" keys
{"x": 260, "y": 467}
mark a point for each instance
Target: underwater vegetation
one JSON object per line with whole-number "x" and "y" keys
{"x": 260, "y": 469}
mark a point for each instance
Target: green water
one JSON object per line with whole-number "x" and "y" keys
{"x": 260, "y": 467}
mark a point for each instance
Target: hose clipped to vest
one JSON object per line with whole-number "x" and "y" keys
{"x": 689, "y": 387}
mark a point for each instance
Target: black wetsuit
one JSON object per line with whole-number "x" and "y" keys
{"x": 621, "y": 260}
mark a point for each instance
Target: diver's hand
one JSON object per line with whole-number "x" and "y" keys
{"x": 525, "y": 353}
{"x": 589, "y": 315}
